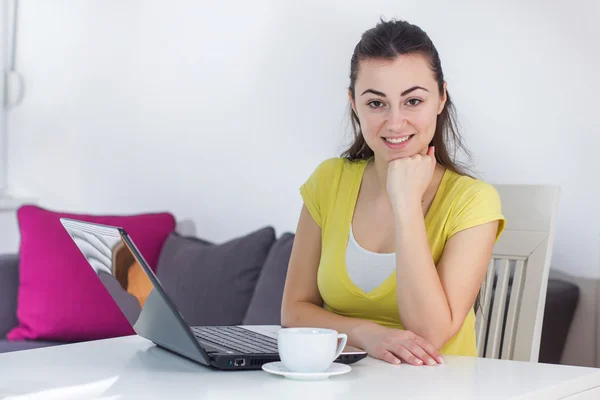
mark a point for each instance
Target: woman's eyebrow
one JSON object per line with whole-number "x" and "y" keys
{"x": 407, "y": 91}
{"x": 375, "y": 92}
{"x": 412, "y": 89}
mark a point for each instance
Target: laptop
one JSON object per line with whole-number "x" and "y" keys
{"x": 155, "y": 317}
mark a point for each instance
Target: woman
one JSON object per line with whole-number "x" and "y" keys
{"x": 394, "y": 240}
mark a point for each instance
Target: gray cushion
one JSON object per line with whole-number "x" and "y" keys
{"x": 9, "y": 287}
{"x": 562, "y": 298}
{"x": 265, "y": 307}
{"x": 212, "y": 284}
{"x": 6, "y": 346}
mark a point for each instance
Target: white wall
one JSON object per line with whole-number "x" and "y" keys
{"x": 4, "y": 27}
{"x": 218, "y": 111}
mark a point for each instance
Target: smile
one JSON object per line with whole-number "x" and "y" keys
{"x": 398, "y": 140}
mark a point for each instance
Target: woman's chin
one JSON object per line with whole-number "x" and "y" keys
{"x": 397, "y": 155}
{"x": 391, "y": 156}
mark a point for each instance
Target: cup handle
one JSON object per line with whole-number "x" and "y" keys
{"x": 344, "y": 339}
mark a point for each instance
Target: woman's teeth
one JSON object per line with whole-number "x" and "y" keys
{"x": 398, "y": 140}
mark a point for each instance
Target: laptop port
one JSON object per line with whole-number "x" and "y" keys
{"x": 240, "y": 362}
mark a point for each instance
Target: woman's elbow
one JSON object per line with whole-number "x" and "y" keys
{"x": 438, "y": 337}
{"x": 295, "y": 313}
{"x": 289, "y": 314}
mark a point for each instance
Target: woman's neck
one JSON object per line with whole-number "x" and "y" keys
{"x": 380, "y": 172}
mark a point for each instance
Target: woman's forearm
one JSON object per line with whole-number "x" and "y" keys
{"x": 306, "y": 314}
{"x": 422, "y": 302}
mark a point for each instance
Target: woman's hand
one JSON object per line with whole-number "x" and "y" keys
{"x": 408, "y": 178}
{"x": 396, "y": 346}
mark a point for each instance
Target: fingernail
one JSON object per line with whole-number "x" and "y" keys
{"x": 442, "y": 360}
{"x": 396, "y": 361}
{"x": 431, "y": 361}
{"x": 419, "y": 362}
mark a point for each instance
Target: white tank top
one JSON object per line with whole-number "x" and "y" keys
{"x": 367, "y": 269}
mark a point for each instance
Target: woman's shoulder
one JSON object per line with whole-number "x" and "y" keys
{"x": 330, "y": 180}
{"x": 470, "y": 201}
{"x": 461, "y": 187}
{"x": 331, "y": 169}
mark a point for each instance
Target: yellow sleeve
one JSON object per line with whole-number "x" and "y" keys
{"x": 316, "y": 190}
{"x": 479, "y": 204}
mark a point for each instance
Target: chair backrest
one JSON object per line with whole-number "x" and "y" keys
{"x": 513, "y": 296}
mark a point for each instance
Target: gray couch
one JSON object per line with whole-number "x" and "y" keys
{"x": 244, "y": 279}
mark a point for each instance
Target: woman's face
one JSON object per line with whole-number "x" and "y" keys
{"x": 397, "y": 103}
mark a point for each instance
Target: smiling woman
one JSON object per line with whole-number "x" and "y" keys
{"x": 424, "y": 93}
{"x": 394, "y": 239}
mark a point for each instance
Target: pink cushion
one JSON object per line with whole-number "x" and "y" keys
{"x": 60, "y": 296}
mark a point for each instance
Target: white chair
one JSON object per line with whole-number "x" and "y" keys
{"x": 513, "y": 296}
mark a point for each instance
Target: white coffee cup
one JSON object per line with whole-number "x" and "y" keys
{"x": 309, "y": 349}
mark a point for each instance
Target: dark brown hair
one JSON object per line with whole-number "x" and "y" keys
{"x": 388, "y": 40}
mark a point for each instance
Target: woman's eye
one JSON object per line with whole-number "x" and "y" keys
{"x": 412, "y": 102}
{"x": 375, "y": 104}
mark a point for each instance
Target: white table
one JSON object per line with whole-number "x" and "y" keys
{"x": 134, "y": 368}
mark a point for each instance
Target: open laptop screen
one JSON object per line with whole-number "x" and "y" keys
{"x": 114, "y": 263}
{"x": 134, "y": 287}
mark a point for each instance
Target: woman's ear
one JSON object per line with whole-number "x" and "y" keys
{"x": 443, "y": 98}
{"x": 352, "y": 102}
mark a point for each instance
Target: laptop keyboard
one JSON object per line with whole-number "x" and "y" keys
{"x": 235, "y": 338}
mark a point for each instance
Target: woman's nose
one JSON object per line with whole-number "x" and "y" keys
{"x": 396, "y": 120}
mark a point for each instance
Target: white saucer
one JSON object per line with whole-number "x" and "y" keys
{"x": 278, "y": 368}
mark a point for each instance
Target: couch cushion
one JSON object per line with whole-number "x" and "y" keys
{"x": 562, "y": 298}
{"x": 212, "y": 284}
{"x": 60, "y": 297}
{"x": 9, "y": 286}
{"x": 265, "y": 306}
{"x": 8, "y": 346}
